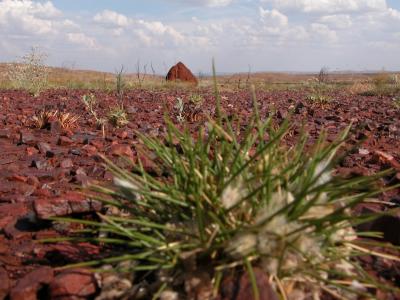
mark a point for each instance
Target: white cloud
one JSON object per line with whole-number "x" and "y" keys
{"x": 337, "y": 21}
{"x": 27, "y": 17}
{"x": 208, "y": 3}
{"x": 82, "y": 39}
{"x": 112, "y": 18}
{"x": 329, "y": 6}
{"x": 273, "y": 18}
{"x": 323, "y": 32}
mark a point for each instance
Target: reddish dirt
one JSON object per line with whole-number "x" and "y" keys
{"x": 180, "y": 72}
{"x": 41, "y": 169}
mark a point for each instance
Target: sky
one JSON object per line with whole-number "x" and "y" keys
{"x": 241, "y": 35}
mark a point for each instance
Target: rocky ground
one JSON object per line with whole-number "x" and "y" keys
{"x": 42, "y": 169}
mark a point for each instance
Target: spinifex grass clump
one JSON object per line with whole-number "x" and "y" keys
{"x": 231, "y": 200}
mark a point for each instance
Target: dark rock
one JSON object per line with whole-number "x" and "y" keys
{"x": 40, "y": 164}
{"x": 28, "y": 287}
{"x": 73, "y": 284}
{"x": 180, "y": 72}
{"x": 76, "y": 152}
{"x": 70, "y": 203}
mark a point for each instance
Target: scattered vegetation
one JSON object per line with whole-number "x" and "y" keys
{"x": 323, "y": 75}
{"x": 120, "y": 84}
{"x": 232, "y": 200}
{"x": 30, "y": 73}
{"x": 383, "y": 84}
{"x": 319, "y": 93}
{"x": 117, "y": 116}
{"x": 396, "y": 102}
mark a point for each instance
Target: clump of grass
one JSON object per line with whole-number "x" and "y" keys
{"x": 117, "y": 116}
{"x": 30, "y": 73}
{"x": 232, "y": 200}
{"x": 67, "y": 120}
{"x": 44, "y": 117}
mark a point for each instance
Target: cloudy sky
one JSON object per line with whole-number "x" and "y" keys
{"x": 265, "y": 35}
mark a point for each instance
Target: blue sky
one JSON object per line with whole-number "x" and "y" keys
{"x": 265, "y": 35}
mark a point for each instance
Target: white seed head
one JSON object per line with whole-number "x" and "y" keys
{"x": 232, "y": 194}
{"x": 242, "y": 245}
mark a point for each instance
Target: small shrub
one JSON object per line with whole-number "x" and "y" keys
{"x": 30, "y": 73}
{"x": 323, "y": 75}
{"x": 196, "y": 99}
{"x": 117, "y": 116}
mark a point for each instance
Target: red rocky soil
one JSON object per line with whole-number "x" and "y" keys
{"x": 42, "y": 169}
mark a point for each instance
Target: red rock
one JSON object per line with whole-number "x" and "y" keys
{"x": 18, "y": 178}
{"x": 67, "y": 163}
{"x": 28, "y": 287}
{"x": 241, "y": 289}
{"x": 70, "y": 203}
{"x": 4, "y": 221}
{"x": 33, "y": 180}
{"x": 122, "y": 134}
{"x": 4, "y": 283}
{"x": 5, "y": 133}
{"x": 64, "y": 141}
{"x": 31, "y": 151}
{"x": 73, "y": 284}
{"x": 180, "y": 72}
{"x": 27, "y": 138}
{"x": 121, "y": 150}
{"x": 90, "y": 150}
{"x": 97, "y": 143}
{"x": 13, "y": 210}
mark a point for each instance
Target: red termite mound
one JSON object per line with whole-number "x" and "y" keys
{"x": 180, "y": 72}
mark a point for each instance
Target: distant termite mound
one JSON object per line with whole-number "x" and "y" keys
{"x": 180, "y": 72}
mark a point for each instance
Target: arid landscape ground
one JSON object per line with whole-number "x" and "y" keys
{"x": 45, "y": 161}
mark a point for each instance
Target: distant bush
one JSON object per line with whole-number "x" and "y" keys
{"x": 30, "y": 73}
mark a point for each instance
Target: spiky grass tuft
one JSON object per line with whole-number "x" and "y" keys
{"x": 231, "y": 200}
